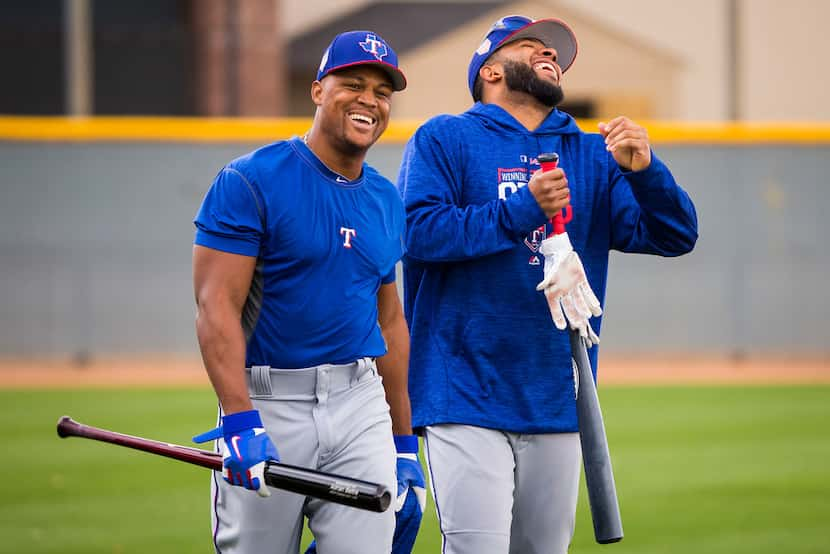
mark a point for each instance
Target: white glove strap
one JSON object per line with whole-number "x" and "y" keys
{"x": 556, "y": 243}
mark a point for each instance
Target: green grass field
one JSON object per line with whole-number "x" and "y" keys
{"x": 709, "y": 469}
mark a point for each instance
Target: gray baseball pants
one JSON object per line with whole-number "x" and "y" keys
{"x": 333, "y": 418}
{"x": 503, "y": 493}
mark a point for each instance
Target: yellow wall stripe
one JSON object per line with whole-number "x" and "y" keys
{"x": 175, "y": 129}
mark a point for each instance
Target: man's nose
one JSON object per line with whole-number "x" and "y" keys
{"x": 367, "y": 97}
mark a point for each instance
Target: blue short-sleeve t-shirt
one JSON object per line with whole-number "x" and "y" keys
{"x": 323, "y": 244}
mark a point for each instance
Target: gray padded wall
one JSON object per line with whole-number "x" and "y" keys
{"x": 95, "y": 242}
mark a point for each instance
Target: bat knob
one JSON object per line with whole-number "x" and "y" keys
{"x": 384, "y": 501}
{"x": 64, "y": 424}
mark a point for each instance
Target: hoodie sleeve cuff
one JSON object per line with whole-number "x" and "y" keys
{"x": 652, "y": 177}
{"x": 522, "y": 213}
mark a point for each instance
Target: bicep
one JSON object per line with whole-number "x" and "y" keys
{"x": 221, "y": 277}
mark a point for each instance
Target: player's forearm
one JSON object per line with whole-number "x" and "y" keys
{"x": 222, "y": 343}
{"x": 440, "y": 229}
{"x": 443, "y": 232}
{"x": 394, "y": 367}
{"x": 667, "y": 220}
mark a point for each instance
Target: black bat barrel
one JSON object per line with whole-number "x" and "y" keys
{"x": 596, "y": 459}
{"x": 350, "y": 492}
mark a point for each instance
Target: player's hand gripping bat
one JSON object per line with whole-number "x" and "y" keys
{"x": 308, "y": 482}
{"x": 596, "y": 459}
{"x": 564, "y": 281}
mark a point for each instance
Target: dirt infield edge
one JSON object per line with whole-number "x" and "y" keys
{"x": 174, "y": 371}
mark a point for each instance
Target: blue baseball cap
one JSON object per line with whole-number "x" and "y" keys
{"x": 358, "y": 48}
{"x": 553, "y": 33}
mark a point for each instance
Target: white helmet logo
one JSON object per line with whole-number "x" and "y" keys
{"x": 324, "y": 60}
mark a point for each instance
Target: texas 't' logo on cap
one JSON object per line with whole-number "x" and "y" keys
{"x": 375, "y": 47}
{"x": 354, "y": 48}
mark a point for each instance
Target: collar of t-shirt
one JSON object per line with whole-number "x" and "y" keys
{"x": 311, "y": 159}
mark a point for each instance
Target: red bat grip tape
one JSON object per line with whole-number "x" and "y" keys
{"x": 548, "y": 161}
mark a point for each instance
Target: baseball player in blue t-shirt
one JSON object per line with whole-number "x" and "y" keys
{"x": 491, "y": 377}
{"x": 299, "y": 319}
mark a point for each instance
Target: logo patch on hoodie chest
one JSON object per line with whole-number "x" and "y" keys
{"x": 510, "y": 180}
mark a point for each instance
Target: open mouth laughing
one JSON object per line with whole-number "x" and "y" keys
{"x": 546, "y": 67}
{"x": 362, "y": 120}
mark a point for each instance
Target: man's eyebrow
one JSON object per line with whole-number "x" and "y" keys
{"x": 530, "y": 39}
{"x": 363, "y": 79}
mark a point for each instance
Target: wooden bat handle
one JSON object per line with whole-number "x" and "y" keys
{"x": 68, "y": 427}
{"x": 326, "y": 486}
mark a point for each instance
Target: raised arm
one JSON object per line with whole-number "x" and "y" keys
{"x": 650, "y": 213}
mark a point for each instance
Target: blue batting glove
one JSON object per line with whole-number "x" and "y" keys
{"x": 246, "y": 448}
{"x": 412, "y": 494}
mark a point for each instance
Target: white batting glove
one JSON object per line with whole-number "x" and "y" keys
{"x": 567, "y": 289}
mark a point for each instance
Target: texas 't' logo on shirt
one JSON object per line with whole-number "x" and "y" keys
{"x": 348, "y": 234}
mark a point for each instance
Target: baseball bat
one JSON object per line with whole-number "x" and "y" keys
{"x": 596, "y": 459}
{"x": 308, "y": 482}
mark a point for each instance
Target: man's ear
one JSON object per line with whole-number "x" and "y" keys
{"x": 491, "y": 73}
{"x": 317, "y": 92}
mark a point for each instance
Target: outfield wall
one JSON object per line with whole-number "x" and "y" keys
{"x": 96, "y": 233}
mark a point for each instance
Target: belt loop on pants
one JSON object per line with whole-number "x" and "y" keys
{"x": 260, "y": 381}
{"x": 363, "y": 364}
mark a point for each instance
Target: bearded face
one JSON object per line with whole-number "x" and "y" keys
{"x": 520, "y": 77}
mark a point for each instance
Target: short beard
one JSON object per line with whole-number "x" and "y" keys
{"x": 520, "y": 77}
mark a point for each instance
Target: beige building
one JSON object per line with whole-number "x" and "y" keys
{"x": 691, "y": 61}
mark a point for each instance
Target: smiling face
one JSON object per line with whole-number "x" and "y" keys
{"x": 353, "y": 107}
{"x": 530, "y": 67}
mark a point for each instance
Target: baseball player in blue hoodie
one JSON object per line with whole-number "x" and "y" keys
{"x": 299, "y": 319}
{"x": 491, "y": 381}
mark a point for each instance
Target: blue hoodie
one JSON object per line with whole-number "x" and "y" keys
{"x": 484, "y": 349}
